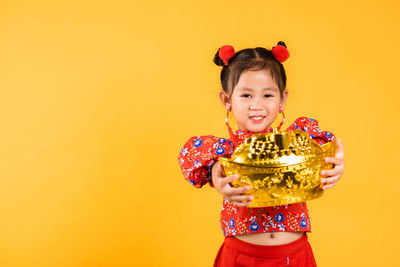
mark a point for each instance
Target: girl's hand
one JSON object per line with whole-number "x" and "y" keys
{"x": 233, "y": 194}
{"x": 333, "y": 175}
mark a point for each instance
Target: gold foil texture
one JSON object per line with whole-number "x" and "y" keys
{"x": 280, "y": 167}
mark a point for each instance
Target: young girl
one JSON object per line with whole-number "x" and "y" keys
{"x": 254, "y": 89}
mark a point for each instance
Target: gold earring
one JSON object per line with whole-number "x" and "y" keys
{"x": 283, "y": 119}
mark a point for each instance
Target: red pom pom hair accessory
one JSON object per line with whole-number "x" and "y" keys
{"x": 280, "y": 52}
{"x": 225, "y": 53}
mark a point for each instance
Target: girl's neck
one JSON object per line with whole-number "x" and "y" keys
{"x": 249, "y": 131}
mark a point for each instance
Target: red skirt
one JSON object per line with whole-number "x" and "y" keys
{"x": 235, "y": 252}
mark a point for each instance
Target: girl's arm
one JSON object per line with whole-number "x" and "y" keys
{"x": 198, "y": 156}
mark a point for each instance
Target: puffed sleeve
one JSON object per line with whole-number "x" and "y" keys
{"x": 198, "y": 155}
{"x": 311, "y": 126}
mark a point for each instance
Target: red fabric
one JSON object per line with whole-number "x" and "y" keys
{"x": 235, "y": 253}
{"x": 197, "y": 157}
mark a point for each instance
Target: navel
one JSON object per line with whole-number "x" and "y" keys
{"x": 272, "y": 235}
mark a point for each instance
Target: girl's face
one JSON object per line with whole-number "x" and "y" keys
{"x": 255, "y": 101}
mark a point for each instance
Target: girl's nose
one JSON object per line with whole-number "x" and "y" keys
{"x": 255, "y": 105}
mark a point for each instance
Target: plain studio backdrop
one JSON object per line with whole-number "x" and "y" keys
{"x": 98, "y": 97}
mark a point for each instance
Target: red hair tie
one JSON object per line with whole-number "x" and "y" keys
{"x": 225, "y": 53}
{"x": 280, "y": 52}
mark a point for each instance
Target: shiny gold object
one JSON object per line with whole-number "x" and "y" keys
{"x": 280, "y": 167}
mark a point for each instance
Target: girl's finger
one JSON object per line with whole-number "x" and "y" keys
{"x": 226, "y": 180}
{"x": 328, "y": 186}
{"x": 241, "y": 204}
{"x": 338, "y": 167}
{"x": 331, "y": 172}
{"x": 330, "y": 180}
{"x": 234, "y": 191}
{"x": 241, "y": 198}
{"x": 336, "y": 161}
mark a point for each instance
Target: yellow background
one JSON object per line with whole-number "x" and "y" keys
{"x": 98, "y": 97}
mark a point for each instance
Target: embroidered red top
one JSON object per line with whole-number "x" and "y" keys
{"x": 197, "y": 157}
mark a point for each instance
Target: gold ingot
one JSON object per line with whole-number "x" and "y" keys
{"x": 280, "y": 167}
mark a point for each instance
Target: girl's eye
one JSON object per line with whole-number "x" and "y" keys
{"x": 248, "y": 95}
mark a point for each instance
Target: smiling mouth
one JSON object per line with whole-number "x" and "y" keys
{"x": 257, "y": 118}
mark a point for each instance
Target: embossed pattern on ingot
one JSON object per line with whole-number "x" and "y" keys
{"x": 280, "y": 167}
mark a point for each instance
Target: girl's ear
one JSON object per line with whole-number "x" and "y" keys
{"x": 224, "y": 98}
{"x": 285, "y": 96}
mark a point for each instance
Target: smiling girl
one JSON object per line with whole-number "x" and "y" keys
{"x": 254, "y": 90}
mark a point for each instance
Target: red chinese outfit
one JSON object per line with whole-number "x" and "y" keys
{"x": 197, "y": 157}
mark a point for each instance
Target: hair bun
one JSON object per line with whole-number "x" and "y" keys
{"x": 223, "y": 55}
{"x": 282, "y": 43}
{"x": 280, "y": 52}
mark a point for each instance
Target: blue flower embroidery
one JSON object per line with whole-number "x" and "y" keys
{"x": 220, "y": 151}
{"x": 232, "y": 223}
{"x": 192, "y": 182}
{"x": 279, "y": 217}
{"x": 198, "y": 142}
{"x": 229, "y": 142}
{"x": 184, "y": 151}
{"x": 303, "y": 223}
{"x": 222, "y": 140}
{"x": 197, "y": 163}
{"x": 327, "y": 134}
{"x": 254, "y": 226}
{"x": 312, "y": 136}
{"x": 311, "y": 119}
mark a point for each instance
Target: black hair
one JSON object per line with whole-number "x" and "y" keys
{"x": 254, "y": 59}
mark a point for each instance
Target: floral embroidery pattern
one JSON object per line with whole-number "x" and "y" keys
{"x": 232, "y": 223}
{"x": 198, "y": 142}
{"x": 279, "y": 217}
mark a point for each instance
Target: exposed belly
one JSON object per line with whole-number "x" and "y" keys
{"x": 270, "y": 238}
